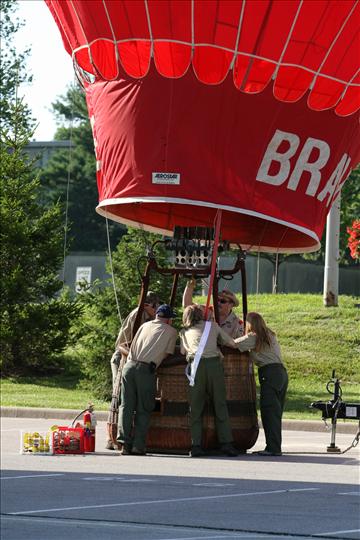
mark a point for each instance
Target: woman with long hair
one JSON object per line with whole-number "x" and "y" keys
{"x": 199, "y": 340}
{"x": 265, "y": 351}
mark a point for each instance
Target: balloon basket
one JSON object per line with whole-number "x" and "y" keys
{"x": 170, "y": 422}
{"x": 169, "y": 430}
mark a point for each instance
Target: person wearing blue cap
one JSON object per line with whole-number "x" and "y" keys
{"x": 125, "y": 336}
{"x": 122, "y": 347}
{"x": 152, "y": 343}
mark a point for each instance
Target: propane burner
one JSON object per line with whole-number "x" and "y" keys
{"x": 193, "y": 246}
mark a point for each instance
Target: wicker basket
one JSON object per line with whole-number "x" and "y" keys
{"x": 169, "y": 428}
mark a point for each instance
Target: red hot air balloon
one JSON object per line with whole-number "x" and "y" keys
{"x": 250, "y": 107}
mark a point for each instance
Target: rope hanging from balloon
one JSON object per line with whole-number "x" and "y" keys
{"x": 258, "y": 265}
{"x": 257, "y": 272}
{"x": 68, "y": 184}
{"x": 275, "y": 281}
{"x": 112, "y": 271}
{"x": 274, "y": 290}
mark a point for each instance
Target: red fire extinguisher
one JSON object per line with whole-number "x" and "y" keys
{"x": 89, "y": 421}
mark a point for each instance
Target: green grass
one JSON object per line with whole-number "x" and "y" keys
{"x": 55, "y": 392}
{"x": 314, "y": 341}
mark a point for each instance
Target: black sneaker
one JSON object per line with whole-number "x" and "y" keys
{"x": 229, "y": 450}
{"x": 126, "y": 450}
{"x": 196, "y": 451}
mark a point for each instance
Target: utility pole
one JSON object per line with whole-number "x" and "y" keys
{"x": 331, "y": 270}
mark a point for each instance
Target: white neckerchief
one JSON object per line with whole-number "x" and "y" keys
{"x": 190, "y": 370}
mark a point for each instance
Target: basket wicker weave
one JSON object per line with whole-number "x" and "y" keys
{"x": 169, "y": 428}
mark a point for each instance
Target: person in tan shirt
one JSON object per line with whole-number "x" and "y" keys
{"x": 125, "y": 335}
{"x": 122, "y": 345}
{"x": 227, "y": 300}
{"x": 264, "y": 349}
{"x": 152, "y": 343}
{"x": 209, "y": 379}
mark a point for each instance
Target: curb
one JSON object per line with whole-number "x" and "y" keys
{"x": 342, "y": 426}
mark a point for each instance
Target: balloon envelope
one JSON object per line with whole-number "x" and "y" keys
{"x": 269, "y": 138}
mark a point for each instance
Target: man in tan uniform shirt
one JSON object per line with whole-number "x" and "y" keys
{"x": 122, "y": 346}
{"x": 228, "y": 321}
{"x": 125, "y": 335}
{"x": 152, "y": 343}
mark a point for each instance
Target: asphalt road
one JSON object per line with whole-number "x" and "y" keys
{"x": 306, "y": 493}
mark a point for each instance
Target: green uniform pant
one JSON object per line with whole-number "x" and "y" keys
{"x": 138, "y": 386}
{"x": 273, "y": 380}
{"x": 209, "y": 382}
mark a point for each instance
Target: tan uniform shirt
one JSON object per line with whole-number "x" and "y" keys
{"x": 190, "y": 339}
{"x": 125, "y": 334}
{"x": 153, "y": 342}
{"x": 269, "y": 355}
{"x": 232, "y": 326}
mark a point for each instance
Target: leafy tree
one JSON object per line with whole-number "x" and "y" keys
{"x": 35, "y": 322}
{"x": 12, "y": 64}
{"x": 35, "y": 319}
{"x": 349, "y": 211}
{"x": 99, "y": 325}
{"x": 87, "y": 228}
{"x": 354, "y": 239}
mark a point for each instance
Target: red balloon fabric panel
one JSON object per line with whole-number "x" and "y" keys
{"x": 299, "y": 46}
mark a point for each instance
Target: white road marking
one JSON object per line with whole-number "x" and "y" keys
{"x": 356, "y": 493}
{"x": 115, "y": 479}
{"x": 70, "y": 522}
{"x": 237, "y": 535}
{"x": 29, "y": 476}
{"x": 337, "y": 532}
{"x": 212, "y": 484}
{"x": 303, "y": 489}
{"x": 119, "y": 524}
{"x": 122, "y": 479}
{"x": 160, "y": 501}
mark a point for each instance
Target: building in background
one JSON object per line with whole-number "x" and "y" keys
{"x": 43, "y": 150}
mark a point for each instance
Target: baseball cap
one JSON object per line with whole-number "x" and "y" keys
{"x": 230, "y": 296}
{"x": 165, "y": 311}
